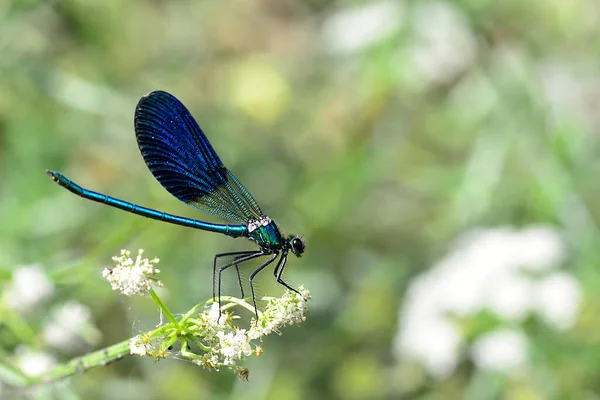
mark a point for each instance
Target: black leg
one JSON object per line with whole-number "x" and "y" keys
{"x": 281, "y": 260}
{"x": 241, "y": 259}
{"x": 253, "y": 274}
{"x": 279, "y": 270}
{"x": 238, "y": 254}
{"x": 237, "y": 272}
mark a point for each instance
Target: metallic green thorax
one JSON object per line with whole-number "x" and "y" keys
{"x": 267, "y": 236}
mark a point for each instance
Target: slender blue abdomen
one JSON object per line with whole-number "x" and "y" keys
{"x": 229, "y": 230}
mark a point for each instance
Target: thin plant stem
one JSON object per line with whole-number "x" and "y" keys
{"x": 164, "y": 308}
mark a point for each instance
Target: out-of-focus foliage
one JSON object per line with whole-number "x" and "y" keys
{"x": 379, "y": 131}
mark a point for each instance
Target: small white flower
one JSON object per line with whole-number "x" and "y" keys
{"x": 501, "y": 350}
{"x": 234, "y": 345}
{"x": 132, "y": 277}
{"x": 139, "y": 345}
{"x": 209, "y": 360}
{"x": 34, "y": 363}
{"x": 511, "y": 297}
{"x": 558, "y": 300}
{"x": 570, "y": 89}
{"x": 433, "y": 341}
{"x": 29, "y": 287}
{"x": 288, "y": 310}
{"x": 444, "y": 46}
{"x": 354, "y": 29}
{"x": 539, "y": 248}
{"x": 69, "y": 326}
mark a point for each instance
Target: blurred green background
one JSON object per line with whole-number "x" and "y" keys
{"x": 379, "y": 131}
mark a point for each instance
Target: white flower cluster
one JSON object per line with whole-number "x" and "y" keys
{"x": 288, "y": 310}
{"x": 33, "y": 362}
{"x": 510, "y": 273}
{"x": 443, "y": 46}
{"x": 234, "y": 345}
{"x": 70, "y": 326}
{"x": 229, "y": 343}
{"x": 130, "y": 276}
{"x": 29, "y": 288}
{"x": 353, "y": 29}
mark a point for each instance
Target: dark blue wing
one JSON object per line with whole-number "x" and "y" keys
{"x": 181, "y": 158}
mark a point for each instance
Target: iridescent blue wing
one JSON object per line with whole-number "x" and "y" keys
{"x": 181, "y": 158}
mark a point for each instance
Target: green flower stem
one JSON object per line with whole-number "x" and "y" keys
{"x": 186, "y": 353}
{"x": 86, "y": 362}
{"x": 164, "y": 308}
{"x": 197, "y": 342}
{"x": 239, "y": 302}
{"x": 195, "y": 310}
{"x": 114, "y": 352}
{"x": 98, "y": 358}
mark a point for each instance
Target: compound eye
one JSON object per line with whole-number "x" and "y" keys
{"x": 297, "y": 246}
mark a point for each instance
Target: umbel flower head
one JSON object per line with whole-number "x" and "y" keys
{"x": 130, "y": 276}
{"x": 217, "y": 341}
{"x": 229, "y": 344}
{"x": 209, "y": 337}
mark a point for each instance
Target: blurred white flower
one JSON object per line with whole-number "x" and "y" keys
{"x": 34, "y": 363}
{"x": 444, "y": 45}
{"x": 558, "y": 300}
{"x": 87, "y": 95}
{"x": 431, "y": 340}
{"x": 486, "y": 271}
{"x": 511, "y": 297}
{"x": 539, "y": 248}
{"x": 28, "y": 288}
{"x": 70, "y": 326}
{"x": 572, "y": 90}
{"x": 132, "y": 277}
{"x": 501, "y": 350}
{"x": 354, "y": 29}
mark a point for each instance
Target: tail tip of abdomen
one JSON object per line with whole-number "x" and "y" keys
{"x": 53, "y": 175}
